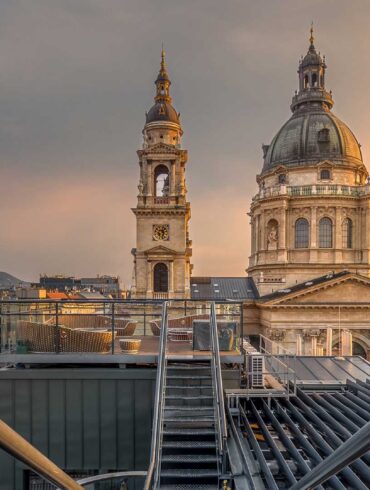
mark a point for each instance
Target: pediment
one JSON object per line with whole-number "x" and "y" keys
{"x": 160, "y": 250}
{"x": 326, "y": 164}
{"x": 160, "y": 148}
{"x": 350, "y": 289}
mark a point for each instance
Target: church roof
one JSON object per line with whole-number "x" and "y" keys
{"x": 213, "y": 288}
{"x": 311, "y": 283}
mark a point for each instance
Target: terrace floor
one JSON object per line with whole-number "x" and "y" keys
{"x": 147, "y": 355}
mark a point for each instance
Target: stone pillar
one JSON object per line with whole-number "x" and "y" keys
{"x": 338, "y": 235}
{"x": 149, "y": 280}
{"x": 314, "y": 345}
{"x": 150, "y": 183}
{"x": 299, "y": 345}
{"x": 171, "y": 286}
{"x": 329, "y": 341}
{"x": 313, "y": 237}
{"x": 283, "y": 255}
{"x": 173, "y": 179}
{"x": 346, "y": 343}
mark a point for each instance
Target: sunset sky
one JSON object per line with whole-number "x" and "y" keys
{"x": 76, "y": 77}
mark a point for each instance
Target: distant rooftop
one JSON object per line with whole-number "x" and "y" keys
{"x": 213, "y": 288}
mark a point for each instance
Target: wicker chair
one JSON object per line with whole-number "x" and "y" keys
{"x": 123, "y": 327}
{"x": 42, "y": 337}
{"x": 182, "y": 322}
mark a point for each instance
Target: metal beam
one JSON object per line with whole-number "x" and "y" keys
{"x": 355, "y": 447}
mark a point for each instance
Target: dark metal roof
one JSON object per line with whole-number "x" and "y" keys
{"x": 213, "y": 288}
{"x": 304, "y": 285}
{"x": 328, "y": 370}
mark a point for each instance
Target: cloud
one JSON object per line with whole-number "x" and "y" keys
{"x": 76, "y": 77}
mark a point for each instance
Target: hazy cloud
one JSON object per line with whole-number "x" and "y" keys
{"x": 76, "y": 77}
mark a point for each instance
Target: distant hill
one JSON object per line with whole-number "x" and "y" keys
{"x": 9, "y": 281}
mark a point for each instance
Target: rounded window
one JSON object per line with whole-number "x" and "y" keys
{"x": 160, "y": 278}
{"x": 302, "y": 233}
{"x": 325, "y": 233}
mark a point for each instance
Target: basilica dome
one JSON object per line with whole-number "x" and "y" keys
{"x": 311, "y": 136}
{"x": 313, "y": 133}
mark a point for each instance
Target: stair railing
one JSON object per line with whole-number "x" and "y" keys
{"x": 153, "y": 475}
{"x": 219, "y": 394}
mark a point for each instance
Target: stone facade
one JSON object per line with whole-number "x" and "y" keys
{"x": 163, "y": 249}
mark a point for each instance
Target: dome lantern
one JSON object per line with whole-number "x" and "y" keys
{"x": 311, "y": 73}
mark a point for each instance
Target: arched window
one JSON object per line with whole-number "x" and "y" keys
{"x": 305, "y": 81}
{"x": 314, "y": 80}
{"x": 325, "y": 174}
{"x": 302, "y": 233}
{"x": 160, "y": 278}
{"x": 161, "y": 181}
{"x": 325, "y": 233}
{"x": 347, "y": 227}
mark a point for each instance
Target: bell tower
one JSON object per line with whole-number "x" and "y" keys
{"x": 163, "y": 249}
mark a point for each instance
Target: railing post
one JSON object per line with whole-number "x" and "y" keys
{"x": 113, "y": 326}
{"x": 57, "y": 330}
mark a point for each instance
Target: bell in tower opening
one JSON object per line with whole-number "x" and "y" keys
{"x": 162, "y": 255}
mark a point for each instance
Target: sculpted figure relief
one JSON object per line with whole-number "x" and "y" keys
{"x": 272, "y": 238}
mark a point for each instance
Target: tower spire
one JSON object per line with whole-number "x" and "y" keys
{"x": 311, "y": 36}
{"x": 163, "y": 81}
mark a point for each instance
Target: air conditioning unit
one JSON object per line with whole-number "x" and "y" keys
{"x": 256, "y": 368}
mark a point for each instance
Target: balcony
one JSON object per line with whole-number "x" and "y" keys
{"x": 313, "y": 190}
{"x": 102, "y": 331}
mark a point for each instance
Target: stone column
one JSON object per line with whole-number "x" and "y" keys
{"x": 338, "y": 235}
{"x": 173, "y": 178}
{"x": 314, "y": 345}
{"x": 171, "y": 286}
{"x": 329, "y": 341}
{"x": 313, "y": 233}
{"x": 150, "y": 183}
{"x": 299, "y": 345}
{"x": 283, "y": 256}
{"x": 346, "y": 343}
{"x": 149, "y": 280}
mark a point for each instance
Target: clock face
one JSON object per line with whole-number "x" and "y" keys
{"x": 161, "y": 232}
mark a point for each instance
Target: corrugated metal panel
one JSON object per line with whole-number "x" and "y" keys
{"x": 235, "y": 288}
{"x": 83, "y": 419}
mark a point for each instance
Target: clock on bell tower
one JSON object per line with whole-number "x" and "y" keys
{"x": 163, "y": 249}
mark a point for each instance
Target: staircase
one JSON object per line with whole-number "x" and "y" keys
{"x": 189, "y": 425}
{"x": 189, "y": 453}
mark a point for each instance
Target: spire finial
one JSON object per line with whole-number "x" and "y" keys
{"x": 163, "y": 58}
{"x": 311, "y": 36}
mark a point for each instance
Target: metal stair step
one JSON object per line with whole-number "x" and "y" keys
{"x": 196, "y": 376}
{"x": 189, "y": 458}
{"x": 187, "y": 420}
{"x": 189, "y": 387}
{"x": 181, "y": 408}
{"x": 189, "y": 397}
{"x": 196, "y": 431}
{"x": 189, "y": 473}
{"x": 187, "y": 367}
{"x": 189, "y": 486}
{"x": 188, "y": 444}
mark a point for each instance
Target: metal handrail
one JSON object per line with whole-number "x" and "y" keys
{"x": 216, "y": 366}
{"x": 17, "y": 446}
{"x": 153, "y": 471}
{"x": 109, "y": 476}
